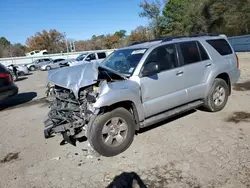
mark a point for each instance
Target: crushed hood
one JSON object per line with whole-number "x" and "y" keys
{"x": 77, "y": 77}
{"x": 74, "y": 77}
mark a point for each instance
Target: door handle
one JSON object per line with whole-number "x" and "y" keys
{"x": 208, "y": 65}
{"x": 179, "y": 73}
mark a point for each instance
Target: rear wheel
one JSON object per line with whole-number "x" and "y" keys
{"x": 21, "y": 73}
{"x": 218, "y": 96}
{"x": 32, "y": 68}
{"x": 48, "y": 67}
{"x": 112, "y": 133}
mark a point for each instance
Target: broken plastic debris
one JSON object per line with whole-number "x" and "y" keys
{"x": 55, "y": 158}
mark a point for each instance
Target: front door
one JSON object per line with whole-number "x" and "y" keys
{"x": 166, "y": 89}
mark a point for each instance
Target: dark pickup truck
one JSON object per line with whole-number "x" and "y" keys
{"x": 7, "y": 86}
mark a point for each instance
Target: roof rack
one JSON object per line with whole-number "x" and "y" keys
{"x": 169, "y": 38}
{"x": 186, "y": 36}
{"x": 153, "y": 40}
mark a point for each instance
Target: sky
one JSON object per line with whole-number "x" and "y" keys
{"x": 79, "y": 19}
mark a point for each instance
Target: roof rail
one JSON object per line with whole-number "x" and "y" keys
{"x": 169, "y": 38}
{"x": 185, "y": 36}
{"x": 134, "y": 43}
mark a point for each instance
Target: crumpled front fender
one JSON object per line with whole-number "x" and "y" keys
{"x": 120, "y": 91}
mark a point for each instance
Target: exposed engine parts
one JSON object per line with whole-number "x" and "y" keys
{"x": 69, "y": 115}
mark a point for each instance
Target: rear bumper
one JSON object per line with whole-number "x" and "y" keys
{"x": 8, "y": 91}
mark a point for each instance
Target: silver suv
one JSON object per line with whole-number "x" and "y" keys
{"x": 138, "y": 86}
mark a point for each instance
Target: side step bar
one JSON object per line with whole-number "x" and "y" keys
{"x": 170, "y": 113}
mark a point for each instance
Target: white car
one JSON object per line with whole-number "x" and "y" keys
{"x": 95, "y": 57}
{"x": 22, "y": 70}
{"x": 37, "y": 53}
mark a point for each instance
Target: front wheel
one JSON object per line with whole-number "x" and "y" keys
{"x": 48, "y": 68}
{"x": 112, "y": 133}
{"x": 218, "y": 96}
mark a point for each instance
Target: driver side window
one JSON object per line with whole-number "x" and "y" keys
{"x": 164, "y": 56}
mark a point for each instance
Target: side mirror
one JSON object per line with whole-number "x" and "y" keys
{"x": 87, "y": 59}
{"x": 150, "y": 69}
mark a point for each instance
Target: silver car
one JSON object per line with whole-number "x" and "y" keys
{"x": 36, "y": 64}
{"x": 138, "y": 86}
{"x": 56, "y": 63}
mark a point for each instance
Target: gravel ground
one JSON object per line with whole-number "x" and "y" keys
{"x": 197, "y": 149}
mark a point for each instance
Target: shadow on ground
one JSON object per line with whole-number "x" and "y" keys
{"x": 21, "y": 100}
{"x": 238, "y": 117}
{"x": 242, "y": 86}
{"x": 127, "y": 180}
{"x": 179, "y": 116}
{"x": 21, "y": 78}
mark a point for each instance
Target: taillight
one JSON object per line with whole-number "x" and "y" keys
{"x": 238, "y": 62}
{"x": 6, "y": 76}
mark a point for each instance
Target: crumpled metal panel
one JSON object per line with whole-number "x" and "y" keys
{"x": 74, "y": 77}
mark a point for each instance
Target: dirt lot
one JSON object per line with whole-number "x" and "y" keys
{"x": 197, "y": 149}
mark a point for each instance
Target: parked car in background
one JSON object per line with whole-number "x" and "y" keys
{"x": 139, "y": 86}
{"x": 7, "y": 87}
{"x": 56, "y": 63}
{"x": 37, "y": 53}
{"x": 38, "y": 63}
{"x": 96, "y": 57}
{"x": 22, "y": 70}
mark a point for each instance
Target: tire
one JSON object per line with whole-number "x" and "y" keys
{"x": 212, "y": 103}
{"x": 21, "y": 73}
{"x": 48, "y": 68}
{"x": 32, "y": 68}
{"x": 96, "y": 132}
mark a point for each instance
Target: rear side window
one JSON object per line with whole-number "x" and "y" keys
{"x": 204, "y": 55}
{"x": 101, "y": 55}
{"x": 190, "y": 52}
{"x": 221, "y": 46}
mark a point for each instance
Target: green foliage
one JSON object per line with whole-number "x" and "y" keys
{"x": 182, "y": 17}
{"x": 4, "y": 42}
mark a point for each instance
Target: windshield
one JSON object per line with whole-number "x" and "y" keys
{"x": 81, "y": 57}
{"x": 124, "y": 61}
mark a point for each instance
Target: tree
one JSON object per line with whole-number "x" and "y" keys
{"x": 51, "y": 40}
{"x": 4, "y": 42}
{"x": 152, "y": 11}
{"x": 140, "y": 34}
{"x": 111, "y": 41}
{"x": 196, "y": 16}
{"x": 121, "y": 33}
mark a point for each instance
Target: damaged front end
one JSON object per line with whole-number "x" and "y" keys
{"x": 69, "y": 115}
{"x": 72, "y": 97}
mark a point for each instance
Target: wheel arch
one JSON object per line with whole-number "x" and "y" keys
{"x": 224, "y": 76}
{"x": 128, "y": 105}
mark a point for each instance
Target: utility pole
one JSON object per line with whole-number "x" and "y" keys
{"x": 74, "y": 46}
{"x": 66, "y": 42}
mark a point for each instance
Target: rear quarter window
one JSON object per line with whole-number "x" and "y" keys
{"x": 221, "y": 46}
{"x": 101, "y": 55}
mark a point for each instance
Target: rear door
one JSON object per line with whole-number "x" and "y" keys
{"x": 165, "y": 90}
{"x": 197, "y": 66}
